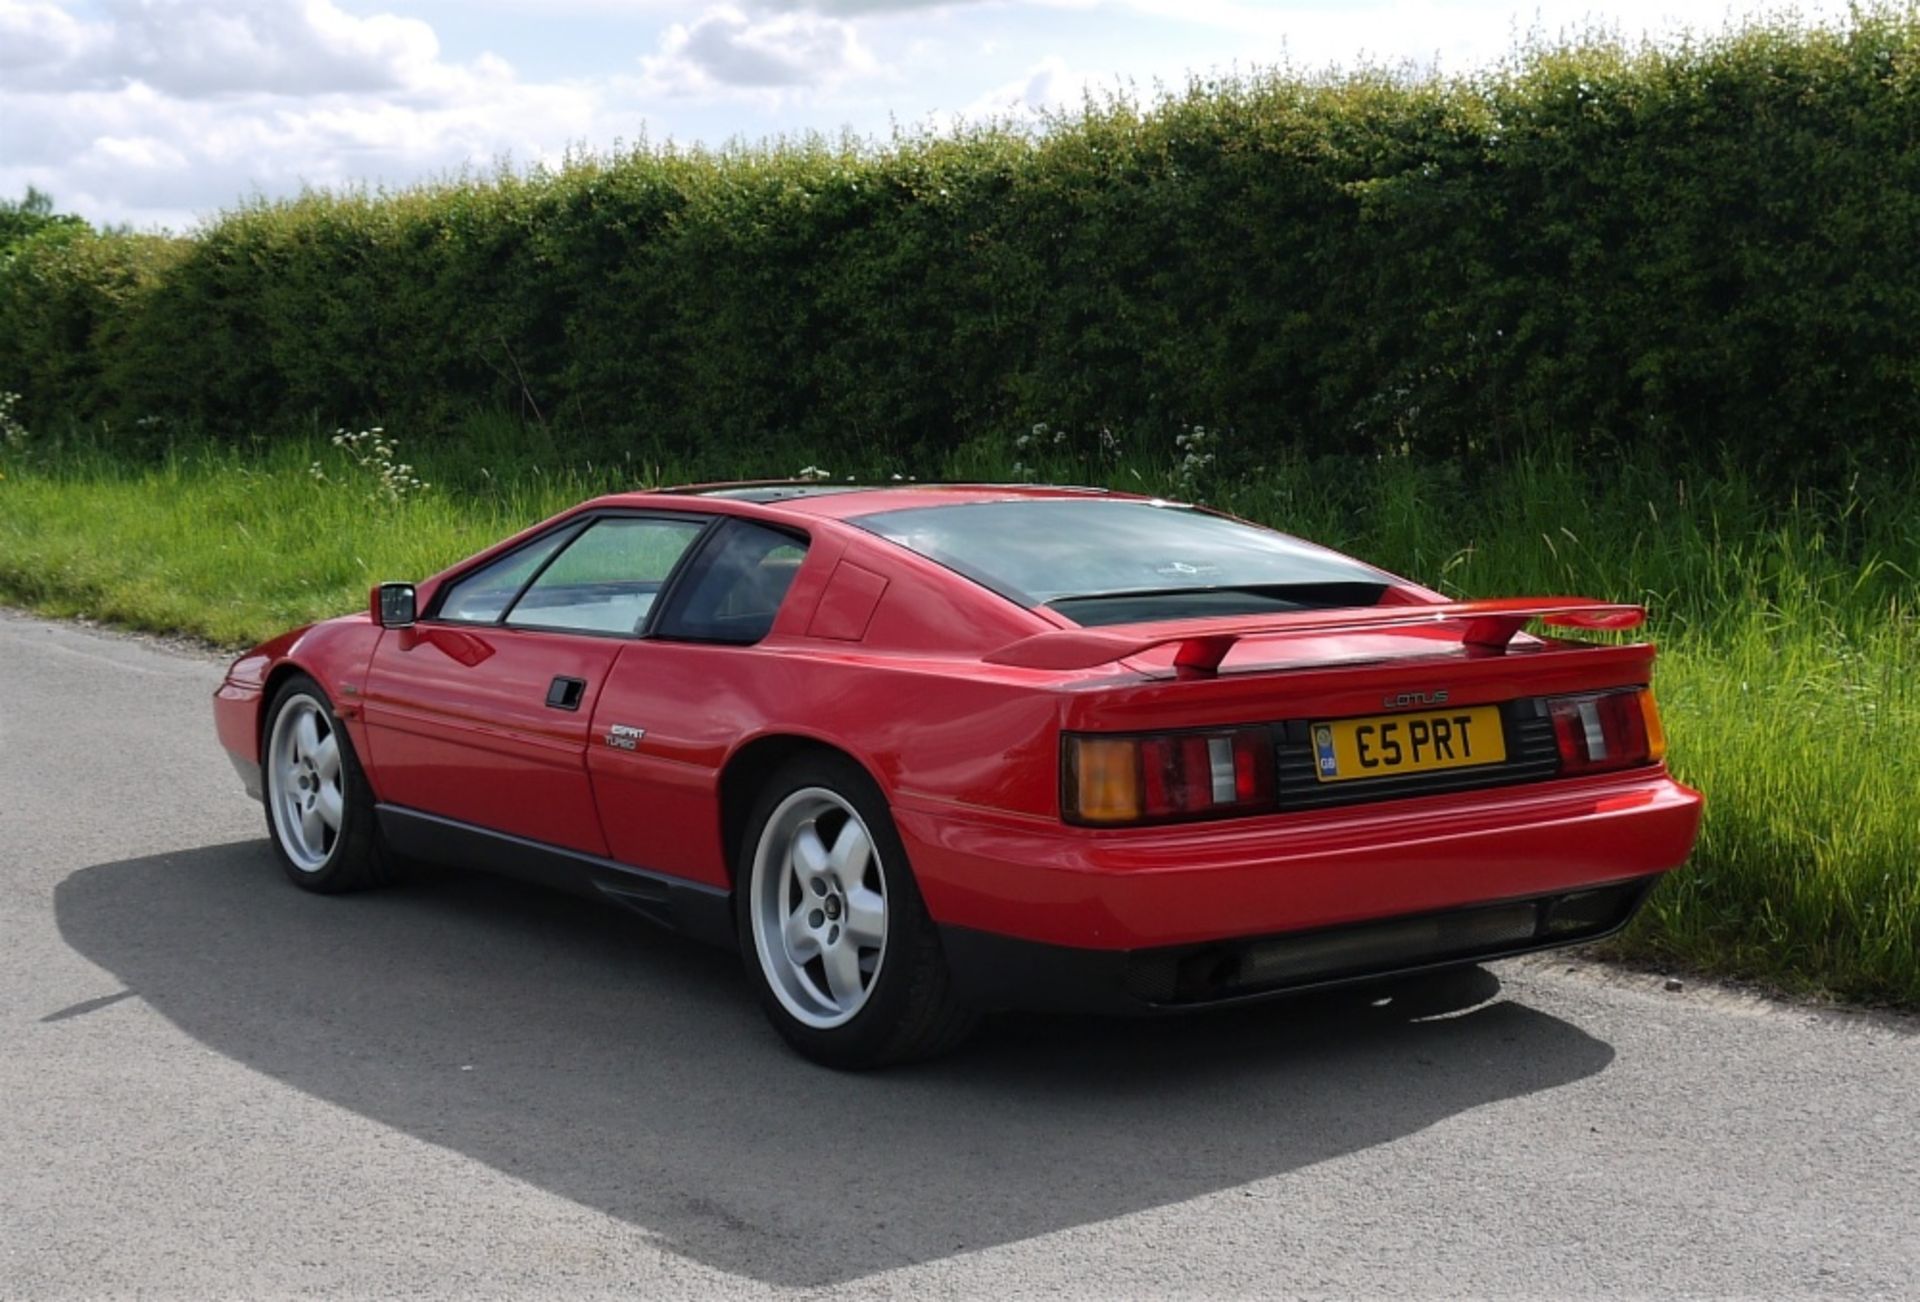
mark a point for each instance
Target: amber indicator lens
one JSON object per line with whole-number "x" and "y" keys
{"x": 1167, "y": 777}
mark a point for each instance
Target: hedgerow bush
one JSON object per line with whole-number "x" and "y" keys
{"x": 1687, "y": 248}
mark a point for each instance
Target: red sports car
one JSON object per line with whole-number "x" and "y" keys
{"x": 926, "y": 751}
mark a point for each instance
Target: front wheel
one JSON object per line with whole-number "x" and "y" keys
{"x": 320, "y": 814}
{"x": 832, "y": 928}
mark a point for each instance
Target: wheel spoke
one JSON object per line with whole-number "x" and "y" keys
{"x": 311, "y": 825}
{"x": 802, "y": 945}
{"x": 809, "y": 855}
{"x": 330, "y": 805}
{"x": 306, "y": 735}
{"x": 852, "y": 851}
{"x": 326, "y": 757}
{"x": 866, "y": 917}
{"x": 842, "y": 962}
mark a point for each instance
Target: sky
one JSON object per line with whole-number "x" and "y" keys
{"x": 160, "y": 113}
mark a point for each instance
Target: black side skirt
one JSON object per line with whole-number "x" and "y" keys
{"x": 692, "y": 908}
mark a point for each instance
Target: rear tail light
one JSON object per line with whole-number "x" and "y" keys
{"x": 1110, "y": 781}
{"x": 1607, "y": 730}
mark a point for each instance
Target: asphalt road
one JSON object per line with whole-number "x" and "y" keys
{"x": 213, "y": 1084}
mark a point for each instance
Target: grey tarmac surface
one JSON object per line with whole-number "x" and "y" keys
{"x": 212, "y": 1084}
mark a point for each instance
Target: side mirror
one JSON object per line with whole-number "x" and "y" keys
{"x": 393, "y": 605}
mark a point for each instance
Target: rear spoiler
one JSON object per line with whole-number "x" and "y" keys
{"x": 1204, "y": 643}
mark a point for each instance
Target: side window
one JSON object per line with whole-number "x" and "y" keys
{"x": 736, "y": 587}
{"x": 607, "y": 579}
{"x": 483, "y": 595}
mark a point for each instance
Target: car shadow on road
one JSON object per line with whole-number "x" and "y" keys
{"x": 571, "y": 1045}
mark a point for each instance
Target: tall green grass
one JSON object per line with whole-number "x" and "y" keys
{"x": 1788, "y": 628}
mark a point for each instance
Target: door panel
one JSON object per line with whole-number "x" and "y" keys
{"x": 459, "y": 725}
{"x": 659, "y": 802}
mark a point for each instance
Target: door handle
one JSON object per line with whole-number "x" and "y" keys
{"x": 566, "y": 693}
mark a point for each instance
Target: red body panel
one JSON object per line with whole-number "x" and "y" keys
{"x": 458, "y": 725}
{"x": 1333, "y": 689}
{"x": 885, "y": 656}
{"x": 334, "y": 652}
{"x": 1038, "y": 880}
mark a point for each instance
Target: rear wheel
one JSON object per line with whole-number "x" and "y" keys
{"x": 320, "y": 814}
{"x": 832, "y": 928}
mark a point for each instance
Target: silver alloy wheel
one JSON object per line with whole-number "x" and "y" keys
{"x": 305, "y": 790}
{"x": 818, "y": 903}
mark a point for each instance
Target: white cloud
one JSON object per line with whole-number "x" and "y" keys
{"x": 195, "y": 49}
{"x": 136, "y": 157}
{"x": 36, "y": 36}
{"x": 309, "y": 47}
{"x": 725, "y": 48}
{"x": 854, "y": 7}
{"x": 168, "y": 109}
{"x": 1047, "y": 85}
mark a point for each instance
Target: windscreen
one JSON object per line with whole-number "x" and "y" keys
{"x": 1110, "y": 562}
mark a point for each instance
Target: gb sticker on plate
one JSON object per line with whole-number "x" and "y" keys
{"x": 1323, "y": 751}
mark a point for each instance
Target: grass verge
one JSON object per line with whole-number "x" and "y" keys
{"x": 1788, "y": 628}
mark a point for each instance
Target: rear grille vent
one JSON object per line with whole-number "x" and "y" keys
{"x": 1531, "y": 756}
{"x": 1229, "y": 969}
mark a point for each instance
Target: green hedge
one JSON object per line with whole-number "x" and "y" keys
{"x": 1694, "y": 247}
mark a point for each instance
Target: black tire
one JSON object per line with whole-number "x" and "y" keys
{"x": 355, "y": 856}
{"x": 910, "y": 1010}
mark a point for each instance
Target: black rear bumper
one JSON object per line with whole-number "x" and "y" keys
{"x": 999, "y": 972}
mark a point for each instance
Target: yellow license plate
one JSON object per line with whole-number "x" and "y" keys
{"x": 1390, "y": 744}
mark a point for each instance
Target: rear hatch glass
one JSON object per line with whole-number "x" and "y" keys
{"x": 1128, "y": 561}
